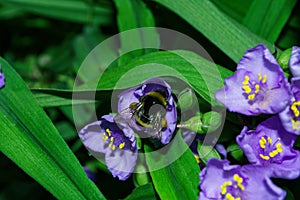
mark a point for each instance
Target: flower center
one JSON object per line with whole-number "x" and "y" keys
{"x": 296, "y": 113}
{"x": 114, "y": 139}
{"x": 253, "y": 89}
{"x": 232, "y": 190}
{"x": 269, "y": 149}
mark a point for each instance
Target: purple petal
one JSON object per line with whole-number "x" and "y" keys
{"x": 91, "y": 136}
{"x": 231, "y": 95}
{"x": 271, "y": 146}
{"x": 89, "y": 173}
{"x": 294, "y": 62}
{"x": 289, "y": 120}
{"x": 114, "y": 141}
{"x": 253, "y": 182}
{"x": 259, "y": 184}
{"x": 256, "y": 86}
{"x": 212, "y": 177}
{"x": 2, "y": 79}
{"x": 260, "y": 60}
{"x": 121, "y": 163}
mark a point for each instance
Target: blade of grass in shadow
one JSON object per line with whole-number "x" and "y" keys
{"x": 69, "y": 10}
{"x": 30, "y": 139}
{"x": 228, "y": 35}
{"x": 131, "y": 15}
{"x": 267, "y": 18}
{"x": 236, "y": 9}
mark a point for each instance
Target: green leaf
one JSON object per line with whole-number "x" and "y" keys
{"x": 206, "y": 152}
{"x": 235, "y": 150}
{"x": 228, "y": 35}
{"x": 134, "y": 14}
{"x": 145, "y": 192}
{"x": 179, "y": 176}
{"x": 52, "y": 100}
{"x": 29, "y": 138}
{"x": 236, "y": 9}
{"x": 267, "y": 18}
{"x": 69, "y": 10}
{"x": 203, "y": 76}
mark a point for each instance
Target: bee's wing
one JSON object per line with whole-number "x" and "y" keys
{"x": 124, "y": 116}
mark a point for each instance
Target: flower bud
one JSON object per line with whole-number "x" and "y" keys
{"x": 284, "y": 58}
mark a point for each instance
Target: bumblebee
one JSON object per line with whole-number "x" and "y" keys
{"x": 149, "y": 112}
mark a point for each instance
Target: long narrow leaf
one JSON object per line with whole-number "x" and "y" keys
{"x": 267, "y": 18}
{"x": 205, "y": 77}
{"x": 179, "y": 179}
{"x": 69, "y": 10}
{"x": 232, "y": 38}
{"x": 30, "y": 139}
{"x": 134, "y": 14}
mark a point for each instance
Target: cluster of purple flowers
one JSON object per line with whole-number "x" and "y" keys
{"x": 148, "y": 109}
{"x": 259, "y": 87}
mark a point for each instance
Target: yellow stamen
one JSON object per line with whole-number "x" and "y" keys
{"x": 246, "y": 80}
{"x": 197, "y": 159}
{"x": 259, "y": 76}
{"x": 237, "y": 178}
{"x": 295, "y": 109}
{"x": 270, "y": 140}
{"x": 295, "y": 124}
{"x": 122, "y": 145}
{"x": 104, "y": 137}
{"x": 264, "y": 157}
{"x": 247, "y": 89}
{"x": 265, "y": 79}
{"x": 108, "y": 132}
{"x": 229, "y": 196}
{"x": 273, "y": 153}
{"x": 257, "y": 87}
{"x": 112, "y": 146}
{"x": 112, "y": 139}
{"x": 279, "y": 147}
{"x": 251, "y": 96}
{"x": 262, "y": 142}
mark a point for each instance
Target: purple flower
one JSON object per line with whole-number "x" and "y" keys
{"x": 294, "y": 62}
{"x": 2, "y": 79}
{"x": 116, "y": 142}
{"x": 220, "y": 181}
{"x": 258, "y": 86}
{"x": 89, "y": 173}
{"x": 149, "y": 109}
{"x": 271, "y": 146}
{"x": 290, "y": 116}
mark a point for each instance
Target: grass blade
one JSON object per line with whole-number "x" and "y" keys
{"x": 228, "y": 35}
{"x": 30, "y": 139}
{"x": 267, "y": 18}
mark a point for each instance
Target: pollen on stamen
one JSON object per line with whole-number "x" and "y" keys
{"x": 262, "y": 142}
{"x": 108, "y": 132}
{"x": 259, "y": 76}
{"x": 247, "y": 89}
{"x": 264, "y": 157}
{"x": 251, "y": 96}
{"x": 104, "y": 137}
{"x": 257, "y": 88}
{"x": 122, "y": 145}
{"x": 246, "y": 80}
{"x": 264, "y": 79}
{"x": 270, "y": 140}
